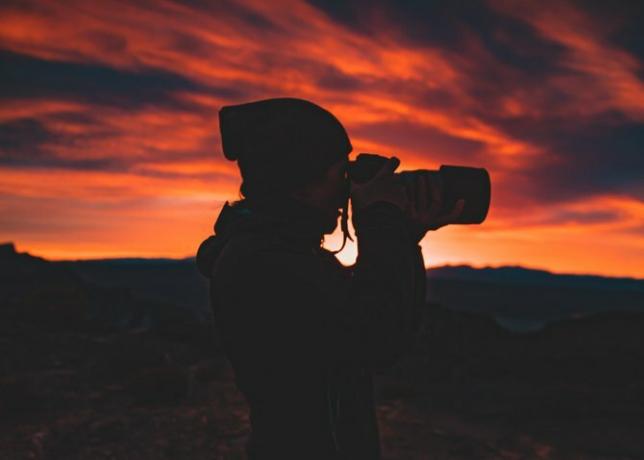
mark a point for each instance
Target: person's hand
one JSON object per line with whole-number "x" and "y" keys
{"x": 425, "y": 215}
{"x": 384, "y": 186}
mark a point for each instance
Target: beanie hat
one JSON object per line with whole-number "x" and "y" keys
{"x": 281, "y": 144}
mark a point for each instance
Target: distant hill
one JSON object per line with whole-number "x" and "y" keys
{"x": 170, "y": 280}
{"x": 518, "y": 298}
{"x": 161, "y": 295}
{"x": 521, "y": 275}
{"x": 524, "y": 299}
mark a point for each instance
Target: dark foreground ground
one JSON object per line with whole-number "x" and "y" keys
{"x": 136, "y": 395}
{"x": 152, "y": 385}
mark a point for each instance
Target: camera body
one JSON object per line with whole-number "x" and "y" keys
{"x": 458, "y": 182}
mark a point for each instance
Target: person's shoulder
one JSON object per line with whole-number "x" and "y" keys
{"x": 238, "y": 251}
{"x": 247, "y": 253}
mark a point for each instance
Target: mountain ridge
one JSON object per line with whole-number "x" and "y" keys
{"x": 440, "y": 271}
{"x": 518, "y": 298}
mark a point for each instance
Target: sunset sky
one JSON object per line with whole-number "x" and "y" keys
{"x": 109, "y": 142}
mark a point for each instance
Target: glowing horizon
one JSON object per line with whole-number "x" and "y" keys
{"x": 109, "y": 141}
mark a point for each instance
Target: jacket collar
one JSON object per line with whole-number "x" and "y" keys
{"x": 296, "y": 222}
{"x": 286, "y": 217}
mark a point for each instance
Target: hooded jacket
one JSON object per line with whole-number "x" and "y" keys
{"x": 304, "y": 333}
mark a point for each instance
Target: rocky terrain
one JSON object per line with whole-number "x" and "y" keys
{"x": 92, "y": 368}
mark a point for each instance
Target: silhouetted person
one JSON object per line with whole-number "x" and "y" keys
{"x": 303, "y": 332}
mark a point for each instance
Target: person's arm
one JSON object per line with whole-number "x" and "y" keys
{"x": 375, "y": 317}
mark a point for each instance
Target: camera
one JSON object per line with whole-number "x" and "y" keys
{"x": 458, "y": 182}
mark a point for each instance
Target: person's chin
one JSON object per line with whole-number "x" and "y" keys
{"x": 331, "y": 223}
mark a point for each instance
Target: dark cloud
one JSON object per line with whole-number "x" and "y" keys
{"x": 334, "y": 79}
{"x": 583, "y": 217}
{"x": 107, "y": 42}
{"x": 623, "y": 20}
{"x": 190, "y": 45}
{"x": 54, "y": 162}
{"x": 23, "y": 137}
{"x": 435, "y": 98}
{"x": 24, "y": 77}
{"x": 232, "y": 9}
{"x": 584, "y": 158}
{"x": 29, "y": 143}
{"x": 451, "y": 26}
{"x": 423, "y": 140}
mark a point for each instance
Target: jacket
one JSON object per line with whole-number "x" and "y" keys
{"x": 303, "y": 332}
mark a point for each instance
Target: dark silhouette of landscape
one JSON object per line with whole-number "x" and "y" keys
{"x": 119, "y": 359}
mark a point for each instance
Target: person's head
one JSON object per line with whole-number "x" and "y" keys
{"x": 328, "y": 193}
{"x": 288, "y": 147}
